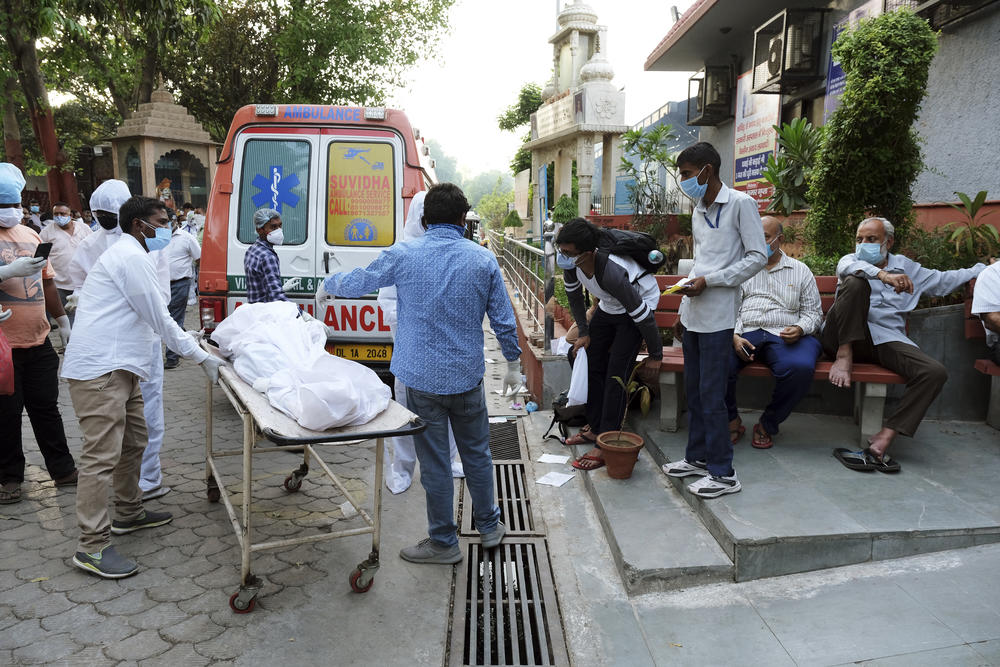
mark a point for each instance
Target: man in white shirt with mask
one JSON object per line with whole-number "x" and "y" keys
{"x": 65, "y": 235}
{"x": 120, "y": 320}
{"x": 105, "y": 203}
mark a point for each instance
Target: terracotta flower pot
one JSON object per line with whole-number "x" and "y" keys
{"x": 621, "y": 451}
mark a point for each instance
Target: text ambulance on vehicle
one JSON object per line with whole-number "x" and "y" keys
{"x": 342, "y": 179}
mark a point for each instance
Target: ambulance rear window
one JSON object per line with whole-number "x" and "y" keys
{"x": 275, "y": 175}
{"x": 360, "y": 194}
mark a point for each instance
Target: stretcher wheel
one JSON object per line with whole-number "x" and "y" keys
{"x": 240, "y": 606}
{"x": 292, "y": 483}
{"x": 213, "y": 493}
{"x": 361, "y": 582}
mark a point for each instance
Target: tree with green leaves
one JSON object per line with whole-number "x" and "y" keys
{"x": 645, "y": 154}
{"x": 870, "y": 155}
{"x": 513, "y": 219}
{"x": 493, "y": 206}
{"x": 306, "y": 51}
{"x": 516, "y": 116}
{"x": 564, "y": 210}
{"x": 789, "y": 169}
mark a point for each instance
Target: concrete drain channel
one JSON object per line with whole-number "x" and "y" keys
{"x": 504, "y": 606}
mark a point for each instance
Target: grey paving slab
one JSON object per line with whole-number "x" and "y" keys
{"x": 709, "y": 625}
{"x": 990, "y": 651}
{"x": 962, "y": 655}
{"x": 657, "y": 541}
{"x": 858, "y": 620}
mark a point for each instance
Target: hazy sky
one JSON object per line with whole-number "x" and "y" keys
{"x": 495, "y": 47}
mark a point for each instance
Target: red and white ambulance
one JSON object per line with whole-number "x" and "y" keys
{"x": 342, "y": 179}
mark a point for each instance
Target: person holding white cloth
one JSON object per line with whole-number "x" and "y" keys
{"x": 121, "y": 317}
{"x": 404, "y": 459}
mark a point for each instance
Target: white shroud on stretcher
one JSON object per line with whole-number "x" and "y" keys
{"x": 284, "y": 357}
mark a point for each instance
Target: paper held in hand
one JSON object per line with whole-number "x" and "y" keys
{"x": 676, "y": 287}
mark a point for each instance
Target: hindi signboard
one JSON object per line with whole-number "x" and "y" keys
{"x": 755, "y": 140}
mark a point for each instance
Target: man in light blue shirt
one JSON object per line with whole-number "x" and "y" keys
{"x": 445, "y": 286}
{"x": 728, "y": 250}
{"x": 875, "y": 291}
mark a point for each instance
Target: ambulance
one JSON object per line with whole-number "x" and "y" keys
{"x": 342, "y": 178}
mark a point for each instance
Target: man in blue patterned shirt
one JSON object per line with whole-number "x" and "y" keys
{"x": 260, "y": 263}
{"x": 446, "y": 285}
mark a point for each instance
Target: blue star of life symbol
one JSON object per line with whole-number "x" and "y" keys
{"x": 275, "y": 190}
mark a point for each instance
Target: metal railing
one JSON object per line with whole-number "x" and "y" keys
{"x": 603, "y": 204}
{"x": 530, "y": 275}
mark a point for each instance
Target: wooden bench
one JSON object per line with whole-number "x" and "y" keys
{"x": 870, "y": 381}
{"x": 974, "y": 330}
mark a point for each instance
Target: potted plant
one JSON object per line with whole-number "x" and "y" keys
{"x": 621, "y": 447}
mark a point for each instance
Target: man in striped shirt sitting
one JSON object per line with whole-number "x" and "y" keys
{"x": 779, "y": 311}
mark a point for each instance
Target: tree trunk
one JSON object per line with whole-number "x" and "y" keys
{"x": 147, "y": 71}
{"x": 11, "y": 131}
{"x": 25, "y": 62}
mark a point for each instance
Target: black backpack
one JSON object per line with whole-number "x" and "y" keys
{"x": 566, "y": 417}
{"x": 635, "y": 245}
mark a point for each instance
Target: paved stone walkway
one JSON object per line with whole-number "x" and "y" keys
{"x": 175, "y": 611}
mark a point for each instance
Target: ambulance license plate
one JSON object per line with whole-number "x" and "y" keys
{"x": 379, "y": 352}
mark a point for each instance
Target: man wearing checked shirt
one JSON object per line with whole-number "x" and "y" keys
{"x": 445, "y": 285}
{"x": 728, "y": 249}
{"x": 779, "y": 311}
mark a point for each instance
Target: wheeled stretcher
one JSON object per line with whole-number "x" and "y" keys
{"x": 261, "y": 418}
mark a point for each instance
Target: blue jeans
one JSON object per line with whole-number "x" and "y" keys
{"x": 178, "y": 306}
{"x": 792, "y": 366}
{"x": 706, "y": 371}
{"x": 470, "y": 422}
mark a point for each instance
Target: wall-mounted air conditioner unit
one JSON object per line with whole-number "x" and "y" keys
{"x": 942, "y": 12}
{"x": 710, "y": 96}
{"x": 787, "y": 50}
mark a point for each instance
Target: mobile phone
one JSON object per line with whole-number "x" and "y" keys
{"x": 43, "y": 250}
{"x": 746, "y": 351}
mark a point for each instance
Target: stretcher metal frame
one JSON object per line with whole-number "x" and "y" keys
{"x": 252, "y": 407}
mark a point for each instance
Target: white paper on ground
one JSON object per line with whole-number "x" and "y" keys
{"x": 497, "y": 420}
{"x": 553, "y": 458}
{"x": 490, "y": 361}
{"x": 554, "y": 479}
{"x": 347, "y": 509}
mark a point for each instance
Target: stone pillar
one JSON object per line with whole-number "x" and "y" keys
{"x": 147, "y": 160}
{"x": 584, "y": 172}
{"x": 609, "y": 166}
{"x": 116, "y": 170}
{"x": 564, "y": 174}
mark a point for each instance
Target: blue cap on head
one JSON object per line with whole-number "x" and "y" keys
{"x": 11, "y": 183}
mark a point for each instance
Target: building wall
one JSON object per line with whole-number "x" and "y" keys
{"x": 721, "y": 136}
{"x": 960, "y": 118}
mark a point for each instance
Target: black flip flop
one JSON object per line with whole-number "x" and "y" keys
{"x": 861, "y": 460}
{"x": 884, "y": 464}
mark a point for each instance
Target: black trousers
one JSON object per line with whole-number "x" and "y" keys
{"x": 847, "y": 322}
{"x": 614, "y": 342}
{"x": 36, "y": 389}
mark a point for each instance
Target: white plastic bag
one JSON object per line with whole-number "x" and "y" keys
{"x": 577, "y": 394}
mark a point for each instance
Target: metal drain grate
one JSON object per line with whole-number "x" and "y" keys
{"x": 512, "y": 498}
{"x": 505, "y": 445}
{"x": 509, "y": 615}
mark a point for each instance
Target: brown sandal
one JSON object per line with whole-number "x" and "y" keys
{"x": 736, "y": 433}
{"x": 581, "y": 437}
{"x": 10, "y": 493}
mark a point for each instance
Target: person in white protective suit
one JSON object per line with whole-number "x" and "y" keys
{"x": 404, "y": 459}
{"x": 105, "y": 203}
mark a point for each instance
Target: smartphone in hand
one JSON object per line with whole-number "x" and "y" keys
{"x": 43, "y": 250}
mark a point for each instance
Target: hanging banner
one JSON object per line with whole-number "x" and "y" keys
{"x": 755, "y": 140}
{"x": 835, "y": 77}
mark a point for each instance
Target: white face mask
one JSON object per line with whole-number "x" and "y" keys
{"x": 10, "y": 217}
{"x": 277, "y": 237}
{"x": 61, "y": 220}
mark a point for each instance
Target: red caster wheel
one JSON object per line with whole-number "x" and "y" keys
{"x": 292, "y": 483}
{"x": 361, "y": 583}
{"x": 242, "y": 606}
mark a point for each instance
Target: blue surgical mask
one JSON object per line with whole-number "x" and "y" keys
{"x": 160, "y": 241}
{"x": 770, "y": 250}
{"x": 61, "y": 220}
{"x": 692, "y": 188}
{"x": 869, "y": 252}
{"x": 564, "y": 262}
{"x": 34, "y": 209}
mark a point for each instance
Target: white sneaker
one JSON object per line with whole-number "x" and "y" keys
{"x": 683, "y": 468}
{"x": 713, "y": 487}
{"x": 158, "y": 492}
